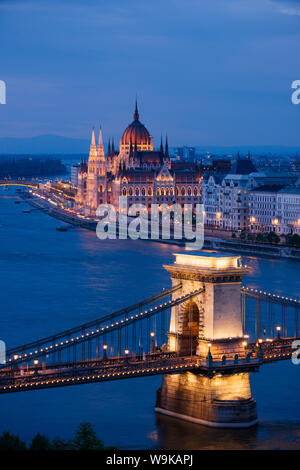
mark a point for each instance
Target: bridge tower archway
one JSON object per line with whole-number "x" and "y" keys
{"x": 190, "y": 328}
{"x": 209, "y": 325}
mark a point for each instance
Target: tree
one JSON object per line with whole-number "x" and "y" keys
{"x": 260, "y": 237}
{"x": 60, "y": 444}
{"x": 292, "y": 239}
{"x": 86, "y": 438}
{"x": 11, "y": 442}
{"x": 272, "y": 237}
{"x": 40, "y": 442}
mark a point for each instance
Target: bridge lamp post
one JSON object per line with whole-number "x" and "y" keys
{"x": 209, "y": 358}
{"x": 152, "y": 349}
{"x": 278, "y": 328}
{"x": 104, "y": 351}
{"x": 126, "y": 354}
{"x": 36, "y": 363}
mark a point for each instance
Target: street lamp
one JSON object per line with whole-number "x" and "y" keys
{"x": 278, "y": 328}
{"x": 36, "y": 363}
{"x": 209, "y": 358}
{"x": 104, "y": 351}
{"x": 152, "y": 348}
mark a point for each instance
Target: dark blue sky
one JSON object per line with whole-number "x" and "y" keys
{"x": 213, "y": 72}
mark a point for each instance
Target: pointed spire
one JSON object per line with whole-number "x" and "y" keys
{"x": 167, "y": 148}
{"x": 108, "y": 149}
{"x": 93, "y": 149}
{"x": 100, "y": 141}
{"x": 93, "y": 141}
{"x": 161, "y": 145}
{"x": 136, "y": 112}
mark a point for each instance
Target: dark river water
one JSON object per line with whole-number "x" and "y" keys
{"x": 53, "y": 280}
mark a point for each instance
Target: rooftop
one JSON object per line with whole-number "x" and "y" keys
{"x": 203, "y": 260}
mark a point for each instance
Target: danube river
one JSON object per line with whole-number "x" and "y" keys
{"x": 53, "y": 280}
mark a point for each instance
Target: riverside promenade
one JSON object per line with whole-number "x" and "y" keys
{"x": 210, "y": 243}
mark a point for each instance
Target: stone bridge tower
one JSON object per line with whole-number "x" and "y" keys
{"x": 208, "y": 324}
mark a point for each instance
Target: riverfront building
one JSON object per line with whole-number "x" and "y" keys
{"x": 247, "y": 200}
{"x": 138, "y": 171}
{"x": 275, "y": 208}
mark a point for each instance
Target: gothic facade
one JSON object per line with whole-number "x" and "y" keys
{"x": 138, "y": 171}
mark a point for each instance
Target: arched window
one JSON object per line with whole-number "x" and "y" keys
{"x": 130, "y": 192}
{"x": 182, "y": 191}
{"x": 149, "y": 191}
{"x": 158, "y": 192}
{"x": 124, "y": 192}
{"x": 143, "y": 192}
{"x": 189, "y": 191}
{"x": 171, "y": 192}
{"x": 195, "y": 191}
{"x": 167, "y": 192}
{"x": 162, "y": 191}
{"x": 137, "y": 191}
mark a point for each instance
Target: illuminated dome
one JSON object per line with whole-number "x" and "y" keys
{"x": 136, "y": 132}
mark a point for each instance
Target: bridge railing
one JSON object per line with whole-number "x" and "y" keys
{"x": 130, "y": 330}
{"x": 266, "y": 314}
{"x": 83, "y": 328}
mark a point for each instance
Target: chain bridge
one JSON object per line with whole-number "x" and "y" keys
{"x": 205, "y": 335}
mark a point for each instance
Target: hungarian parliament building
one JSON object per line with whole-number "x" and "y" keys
{"x": 235, "y": 195}
{"x": 140, "y": 172}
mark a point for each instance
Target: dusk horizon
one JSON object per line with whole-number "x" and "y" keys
{"x": 216, "y": 73}
{"x": 149, "y": 229}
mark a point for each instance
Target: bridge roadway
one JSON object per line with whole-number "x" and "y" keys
{"x": 13, "y": 379}
{"x": 27, "y": 184}
{"x": 66, "y": 192}
{"x": 38, "y": 348}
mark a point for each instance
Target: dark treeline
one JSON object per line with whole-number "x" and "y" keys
{"x": 85, "y": 438}
{"x": 30, "y": 167}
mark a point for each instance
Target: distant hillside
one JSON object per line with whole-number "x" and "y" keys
{"x": 30, "y": 167}
{"x": 55, "y": 144}
{"x": 43, "y": 144}
{"x": 244, "y": 149}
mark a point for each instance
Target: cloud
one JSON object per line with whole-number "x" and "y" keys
{"x": 288, "y": 7}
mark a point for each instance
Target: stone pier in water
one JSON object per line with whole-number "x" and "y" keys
{"x": 209, "y": 326}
